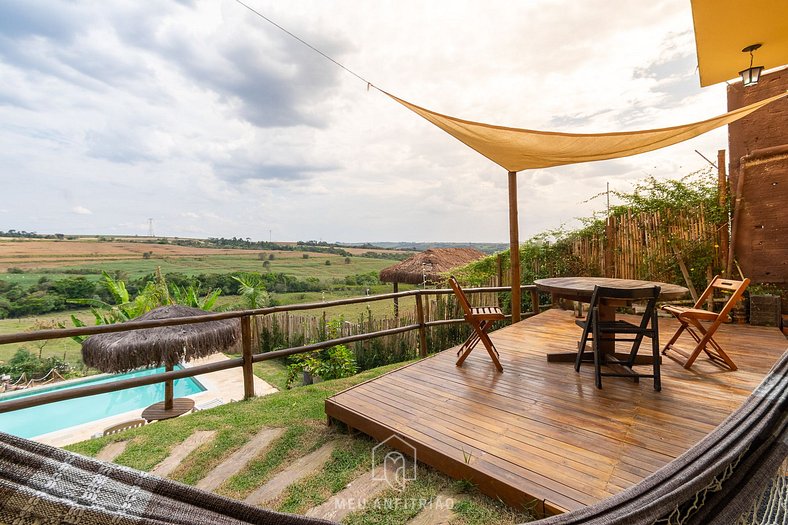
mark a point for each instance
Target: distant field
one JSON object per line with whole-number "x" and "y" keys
{"x": 72, "y": 350}
{"x": 51, "y": 259}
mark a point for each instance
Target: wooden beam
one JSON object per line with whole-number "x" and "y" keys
{"x": 422, "y": 327}
{"x": 722, "y": 188}
{"x": 169, "y": 389}
{"x": 514, "y": 246}
{"x": 248, "y": 369}
{"x": 737, "y": 212}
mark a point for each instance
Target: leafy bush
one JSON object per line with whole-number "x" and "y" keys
{"x": 26, "y": 362}
{"x": 331, "y": 363}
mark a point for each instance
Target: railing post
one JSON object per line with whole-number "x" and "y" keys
{"x": 248, "y": 371}
{"x": 422, "y": 328}
{"x": 535, "y": 301}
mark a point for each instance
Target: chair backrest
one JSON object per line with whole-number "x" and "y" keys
{"x": 629, "y": 294}
{"x": 736, "y": 288}
{"x": 461, "y": 297}
{"x": 126, "y": 425}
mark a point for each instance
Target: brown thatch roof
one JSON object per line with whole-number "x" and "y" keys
{"x": 432, "y": 263}
{"x": 167, "y": 345}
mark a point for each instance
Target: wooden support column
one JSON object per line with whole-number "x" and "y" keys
{"x": 169, "y": 390}
{"x": 535, "y": 301}
{"x": 514, "y": 246}
{"x": 422, "y": 327}
{"x": 737, "y": 212}
{"x": 246, "y": 341}
{"x": 722, "y": 187}
{"x": 396, "y": 301}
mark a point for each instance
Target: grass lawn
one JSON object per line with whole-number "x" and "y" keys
{"x": 300, "y": 412}
{"x": 291, "y": 263}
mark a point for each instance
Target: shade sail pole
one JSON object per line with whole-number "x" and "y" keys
{"x": 514, "y": 246}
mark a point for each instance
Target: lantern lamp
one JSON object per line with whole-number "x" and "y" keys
{"x": 751, "y": 75}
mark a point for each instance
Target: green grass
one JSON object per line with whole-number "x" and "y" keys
{"x": 300, "y": 412}
{"x": 284, "y": 262}
{"x": 273, "y": 372}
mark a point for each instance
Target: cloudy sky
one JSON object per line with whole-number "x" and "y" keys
{"x": 209, "y": 120}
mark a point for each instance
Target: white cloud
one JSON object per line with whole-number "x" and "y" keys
{"x": 81, "y": 210}
{"x": 205, "y": 111}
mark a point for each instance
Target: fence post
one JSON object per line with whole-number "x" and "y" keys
{"x": 422, "y": 328}
{"x": 535, "y": 301}
{"x": 246, "y": 341}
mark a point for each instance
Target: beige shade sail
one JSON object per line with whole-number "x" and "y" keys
{"x": 519, "y": 149}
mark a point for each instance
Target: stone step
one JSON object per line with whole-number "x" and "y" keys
{"x": 357, "y": 493}
{"x": 301, "y": 468}
{"x": 438, "y": 512}
{"x": 180, "y": 452}
{"x": 111, "y": 451}
{"x": 239, "y": 459}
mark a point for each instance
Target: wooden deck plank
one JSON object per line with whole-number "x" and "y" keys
{"x": 539, "y": 431}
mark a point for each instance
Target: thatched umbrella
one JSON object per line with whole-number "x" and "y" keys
{"x": 168, "y": 345}
{"x": 429, "y": 266}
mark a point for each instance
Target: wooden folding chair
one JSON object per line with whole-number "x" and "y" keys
{"x": 481, "y": 320}
{"x": 595, "y": 329}
{"x": 690, "y": 319}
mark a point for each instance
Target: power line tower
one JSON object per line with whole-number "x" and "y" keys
{"x": 150, "y": 228}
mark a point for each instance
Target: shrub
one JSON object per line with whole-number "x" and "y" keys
{"x": 328, "y": 262}
{"x": 347, "y": 260}
{"x": 15, "y": 270}
{"x": 305, "y": 256}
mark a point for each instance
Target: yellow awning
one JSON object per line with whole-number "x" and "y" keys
{"x": 724, "y": 27}
{"x": 519, "y": 149}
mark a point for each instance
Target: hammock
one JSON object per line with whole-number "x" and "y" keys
{"x": 732, "y": 476}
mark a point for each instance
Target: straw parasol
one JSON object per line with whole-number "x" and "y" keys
{"x": 429, "y": 266}
{"x": 168, "y": 346}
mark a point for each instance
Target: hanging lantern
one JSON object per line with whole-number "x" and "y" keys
{"x": 751, "y": 75}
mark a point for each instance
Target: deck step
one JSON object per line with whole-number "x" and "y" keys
{"x": 300, "y": 469}
{"x": 111, "y": 451}
{"x": 438, "y": 512}
{"x": 350, "y": 499}
{"x": 239, "y": 459}
{"x": 180, "y": 452}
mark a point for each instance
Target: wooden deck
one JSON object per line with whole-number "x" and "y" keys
{"x": 541, "y": 435}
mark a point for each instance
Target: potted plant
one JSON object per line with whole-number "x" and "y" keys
{"x": 330, "y": 363}
{"x": 765, "y": 305}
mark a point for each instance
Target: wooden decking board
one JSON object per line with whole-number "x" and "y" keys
{"x": 541, "y": 431}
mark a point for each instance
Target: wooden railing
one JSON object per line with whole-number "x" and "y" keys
{"x": 248, "y": 358}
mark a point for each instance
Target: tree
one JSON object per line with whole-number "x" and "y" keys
{"x": 252, "y": 291}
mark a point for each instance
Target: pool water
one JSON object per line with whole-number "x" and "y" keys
{"x": 34, "y": 421}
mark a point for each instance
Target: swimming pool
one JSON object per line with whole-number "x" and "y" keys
{"x": 34, "y": 421}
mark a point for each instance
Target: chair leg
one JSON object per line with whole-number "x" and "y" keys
{"x": 480, "y": 334}
{"x": 488, "y": 344}
{"x": 470, "y": 342}
{"x": 655, "y": 354}
{"x": 597, "y": 357}
{"x": 675, "y": 336}
{"x": 579, "y": 358}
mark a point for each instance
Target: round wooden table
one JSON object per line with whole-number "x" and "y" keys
{"x": 157, "y": 412}
{"x": 581, "y": 288}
